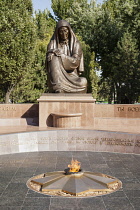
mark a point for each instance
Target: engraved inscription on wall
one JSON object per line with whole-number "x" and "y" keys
{"x": 74, "y": 141}
{"x": 129, "y": 109}
{"x": 90, "y": 140}
{"x": 7, "y": 108}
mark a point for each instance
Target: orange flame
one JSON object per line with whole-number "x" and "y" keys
{"x": 74, "y": 166}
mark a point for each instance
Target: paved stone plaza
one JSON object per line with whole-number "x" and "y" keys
{"x": 16, "y": 169}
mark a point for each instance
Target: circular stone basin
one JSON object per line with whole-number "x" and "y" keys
{"x": 86, "y": 184}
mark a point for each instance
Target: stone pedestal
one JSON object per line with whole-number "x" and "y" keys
{"x": 73, "y": 110}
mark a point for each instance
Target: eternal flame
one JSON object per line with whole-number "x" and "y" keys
{"x": 65, "y": 61}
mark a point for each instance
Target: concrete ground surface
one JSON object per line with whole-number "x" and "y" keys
{"x": 16, "y": 169}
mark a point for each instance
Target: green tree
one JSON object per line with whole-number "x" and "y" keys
{"x": 61, "y": 8}
{"x": 45, "y": 24}
{"x": 126, "y": 69}
{"x": 116, "y": 45}
{"x": 105, "y": 93}
{"x": 94, "y": 76}
{"x": 35, "y": 83}
{"x": 17, "y": 41}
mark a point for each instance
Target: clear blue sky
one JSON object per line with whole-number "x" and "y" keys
{"x": 43, "y": 4}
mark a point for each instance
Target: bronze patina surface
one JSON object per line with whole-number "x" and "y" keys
{"x": 75, "y": 184}
{"x": 65, "y": 61}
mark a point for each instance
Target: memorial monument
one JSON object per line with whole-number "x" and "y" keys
{"x": 67, "y": 105}
{"x": 65, "y": 61}
{"x": 83, "y": 124}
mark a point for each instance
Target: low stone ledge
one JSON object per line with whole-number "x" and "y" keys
{"x": 66, "y": 120}
{"x": 70, "y": 140}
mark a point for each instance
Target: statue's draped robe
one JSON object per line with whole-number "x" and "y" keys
{"x": 63, "y": 71}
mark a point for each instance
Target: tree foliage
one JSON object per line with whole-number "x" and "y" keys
{"x": 126, "y": 69}
{"x": 35, "y": 83}
{"x": 17, "y": 42}
{"x": 117, "y": 48}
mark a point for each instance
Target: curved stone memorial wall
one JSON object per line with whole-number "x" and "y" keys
{"x": 70, "y": 140}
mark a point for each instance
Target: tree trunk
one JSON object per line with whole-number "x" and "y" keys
{"x": 7, "y": 96}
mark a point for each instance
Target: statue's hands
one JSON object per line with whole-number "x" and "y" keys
{"x": 50, "y": 56}
{"x": 57, "y": 52}
{"x": 53, "y": 52}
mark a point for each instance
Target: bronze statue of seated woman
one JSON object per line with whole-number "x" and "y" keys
{"x": 65, "y": 61}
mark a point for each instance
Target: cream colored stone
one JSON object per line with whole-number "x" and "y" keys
{"x": 70, "y": 140}
{"x": 117, "y": 124}
{"x": 50, "y": 104}
{"x": 18, "y": 110}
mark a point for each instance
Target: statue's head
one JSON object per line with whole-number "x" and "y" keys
{"x": 63, "y": 33}
{"x": 63, "y": 29}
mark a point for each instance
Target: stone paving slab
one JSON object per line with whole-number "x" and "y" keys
{"x": 16, "y": 169}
